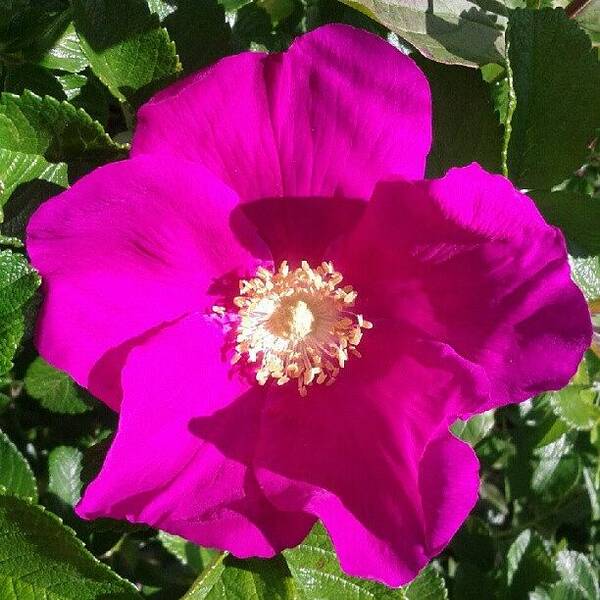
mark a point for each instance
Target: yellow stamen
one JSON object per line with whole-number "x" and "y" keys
{"x": 296, "y": 324}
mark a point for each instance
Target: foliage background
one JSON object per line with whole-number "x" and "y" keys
{"x": 516, "y": 86}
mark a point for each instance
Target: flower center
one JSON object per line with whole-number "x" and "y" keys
{"x": 297, "y": 324}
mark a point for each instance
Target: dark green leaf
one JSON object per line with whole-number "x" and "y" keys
{"x": 427, "y": 586}
{"x": 317, "y": 574}
{"x": 527, "y": 565}
{"x": 550, "y": 458}
{"x": 199, "y": 31}
{"x": 566, "y": 591}
{"x": 24, "y": 22}
{"x": 56, "y": 130}
{"x": 72, "y": 84}
{"x": 23, "y": 202}
{"x": 474, "y": 544}
{"x": 86, "y": 91}
{"x": 577, "y": 407}
{"x": 126, "y": 46}
{"x": 578, "y": 215}
{"x": 586, "y": 274}
{"x": 576, "y": 570}
{"x": 54, "y": 389}
{"x": 470, "y": 582}
{"x": 277, "y": 9}
{"x": 196, "y": 557}
{"x": 252, "y": 579}
{"x": 34, "y": 78}
{"x": 17, "y": 168}
{"x": 475, "y": 429}
{"x": 66, "y": 54}
{"x": 462, "y": 32}
{"x": 64, "y": 470}
{"x": 555, "y": 77}
{"x": 465, "y": 127}
{"x": 18, "y": 283}
{"x": 42, "y": 559}
{"x": 16, "y": 476}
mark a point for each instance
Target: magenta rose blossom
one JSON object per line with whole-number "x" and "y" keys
{"x": 288, "y": 317}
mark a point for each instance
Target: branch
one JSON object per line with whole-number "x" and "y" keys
{"x": 575, "y": 7}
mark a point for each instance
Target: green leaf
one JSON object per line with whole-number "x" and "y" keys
{"x": 576, "y": 570}
{"x": 64, "y": 470}
{"x": 322, "y": 12}
{"x": 162, "y": 8}
{"x": 589, "y": 19}
{"x": 593, "y": 492}
{"x": 24, "y": 22}
{"x": 555, "y": 78}
{"x": 199, "y": 31}
{"x": 18, "y": 167}
{"x": 34, "y": 78}
{"x": 463, "y": 32}
{"x": 317, "y": 574}
{"x": 563, "y": 590}
{"x": 54, "y": 389}
{"x": 474, "y": 544}
{"x": 92, "y": 96}
{"x": 428, "y": 585}
{"x": 16, "y": 476}
{"x": 550, "y": 457}
{"x": 12, "y": 330}
{"x": 41, "y": 559}
{"x": 578, "y": 215}
{"x": 23, "y": 202}
{"x": 586, "y": 274}
{"x": 475, "y": 429}
{"x": 72, "y": 84}
{"x": 469, "y": 581}
{"x": 576, "y": 407}
{"x": 192, "y": 555}
{"x": 66, "y": 54}
{"x": 253, "y": 579}
{"x": 465, "y": 127}
{"x": 57, "y": 130}
{"x": 18, "y": 282}
{"x": 228, "y": 5}
{"x": 126, "y": 47}
{"x": 527, "y": 565}
{"x": 277, "y": 9}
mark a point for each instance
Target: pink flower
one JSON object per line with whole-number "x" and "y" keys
{"x": 461, "y": 300}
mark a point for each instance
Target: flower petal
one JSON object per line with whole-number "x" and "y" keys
{"x": 298, "y": 229}
{"x": 468, "y": 260}
{"x": 329, "y": 117}
{"x": 354, "y": 454}
{"x": 160, "y": 473}
{"x": 129, "y": 247}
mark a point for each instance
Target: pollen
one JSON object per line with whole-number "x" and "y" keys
{"x": 297, "y": 324}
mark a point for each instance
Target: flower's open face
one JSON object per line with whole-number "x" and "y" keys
{"x": 197, "y": 289}
{"x": 296, "y": 324}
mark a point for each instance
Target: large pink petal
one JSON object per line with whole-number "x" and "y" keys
{"x": 160, "y": 473}
{"x": 129, "y": 247}
{"x": 467, "y": 260}
{"x": 297, "y": 229}
{"x": 361, "y": 454}
{"x": 329, "y": 117}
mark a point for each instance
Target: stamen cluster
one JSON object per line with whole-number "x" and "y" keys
{"x": 297, "y": 324}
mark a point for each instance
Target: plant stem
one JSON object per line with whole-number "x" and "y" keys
{"x": 575, "y": 7}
